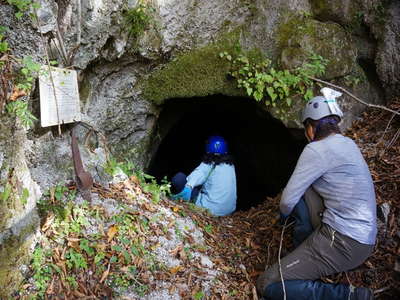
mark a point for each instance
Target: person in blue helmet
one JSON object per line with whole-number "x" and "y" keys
{"x": 331, "y": 198}
{"x": 212, "y": 184}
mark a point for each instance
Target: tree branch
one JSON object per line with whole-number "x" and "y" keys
{"x": 353, "y": 96}
{"x": 279, "y": 261}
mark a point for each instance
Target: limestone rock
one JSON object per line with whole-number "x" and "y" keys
{"x": 345, "y": 12}
{"x": 388, "y": 56}
{"x": 300, "y": 36}
{"x": 19, "y": 221}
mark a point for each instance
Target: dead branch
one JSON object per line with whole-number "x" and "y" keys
{"x": 49, "y": 68}
{"x": 279, "y": 261}
{"x": 353, "y": 96}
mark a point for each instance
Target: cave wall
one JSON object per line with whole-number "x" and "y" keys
{"x": 124, "y": 80}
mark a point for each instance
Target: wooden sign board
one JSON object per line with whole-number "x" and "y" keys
{"x": 67, "y": 94}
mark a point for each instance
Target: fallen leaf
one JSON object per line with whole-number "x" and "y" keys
{"x": 17, "y": 93}
{"x": 111, "y": 232}
{"x": 105, "y": 274}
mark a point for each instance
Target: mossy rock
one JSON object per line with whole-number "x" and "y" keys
{"x": 299, "y": 36}
{"x": 197, "y": 73}
{"x": 15, "y": 250}
{"x": 345, "y": 12}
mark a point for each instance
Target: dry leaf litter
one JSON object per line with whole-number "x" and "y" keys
{"x": 134, "y": 248}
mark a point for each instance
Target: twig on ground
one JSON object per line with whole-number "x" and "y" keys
{"x": 279, "y": 261}
{"x": 387, "y": 127}
{"x": 353, "y": 96}
{"x": 381, "y": 290}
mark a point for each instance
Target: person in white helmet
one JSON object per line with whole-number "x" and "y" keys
{"x": 331, "y": 197}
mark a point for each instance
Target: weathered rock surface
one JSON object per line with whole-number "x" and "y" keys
{"x": 124, "y": 80}
{"x": 18, "y": 195}
{"x": 388, "y": 56}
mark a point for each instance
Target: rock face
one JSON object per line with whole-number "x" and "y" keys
{"x": 125, "y": 79}
{"x": 18, "y": 217}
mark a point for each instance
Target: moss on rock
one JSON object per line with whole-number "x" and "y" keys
{"x": 15, "y": 250}
{"x": 199, "y": 73}
{"x": 18, "y": 217}
{"x": 345, "y": 12}
{"x": 299, "y": 36}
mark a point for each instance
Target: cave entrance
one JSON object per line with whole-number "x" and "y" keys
{"x": 265, "y": 151}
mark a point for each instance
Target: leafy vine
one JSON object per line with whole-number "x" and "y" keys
{"x": 276, "y": 88}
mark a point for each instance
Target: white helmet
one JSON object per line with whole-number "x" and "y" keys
{"x": 319, "y": 107}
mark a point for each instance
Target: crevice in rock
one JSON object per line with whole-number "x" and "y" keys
{"x": 265, "y": 150}
{"x": 369, "y": 68}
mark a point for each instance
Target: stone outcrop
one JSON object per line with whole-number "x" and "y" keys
{"x": 125, "y": 79}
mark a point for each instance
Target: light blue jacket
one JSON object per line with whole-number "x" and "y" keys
{"x": 336, "y": 169}
{"x": 218, "y": 193}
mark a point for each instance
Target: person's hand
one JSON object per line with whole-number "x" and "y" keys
{"x": 283, "y": 219}
{"x": 185, "y": 194}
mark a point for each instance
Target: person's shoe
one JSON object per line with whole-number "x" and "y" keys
{"x": 362, "y": 293}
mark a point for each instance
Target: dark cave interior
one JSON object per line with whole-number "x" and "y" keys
{"x": 265, "y": 151}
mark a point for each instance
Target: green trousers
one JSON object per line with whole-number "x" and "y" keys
{"x": 324, "y": 252}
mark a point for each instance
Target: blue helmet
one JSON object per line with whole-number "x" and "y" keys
{"x": 216, "y": 145}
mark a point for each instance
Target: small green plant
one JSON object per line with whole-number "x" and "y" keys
{"x": 354, "y": 80}
{"x": 3, "y": 44}
{"x": 75, "y": 260}
{"x": 72, "y": 282}
{"x": 199, "y": 295}
{"x": 46, "y": 204}
{"x": 24, "y": 197}
{"x": 85, "y": 246}
{"x": 4, "y": 196}
{"x": 148, "y": 183}
{"x": 20, "y": 109}
{"x": 42, "y": 273}
{"x": 24, "y": 78}
{"x": 29, "y": 71}
{"x": 276, "y": 88}
{"x": 113, "y": 167}
{"x": 208, "y": 228}
{"x": 137, "y": 19}
{"x": 23, "y": 6}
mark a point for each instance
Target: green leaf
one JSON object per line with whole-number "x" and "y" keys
{"x": 25, "y": 196}
{"x": 288, "y": 101}
{"x": 309, "y": 94}
{"x": 249, "y": 91}
{"x": 19, "y": 15}
{"x": 271, "y": 93}
{"x": 199, "y": 295}
{"x": 117, "y": 248}
{"x": 35, "y": 5}
{"x": 3, "y": 29}
{"x": 257, "y": 95}
{"x": 268, "y": 78}
{"x": 99, "y": 256}
{"x": 84, "y": 245}
{"x": 3, "y": 47}
{"x": 6, "y": 193}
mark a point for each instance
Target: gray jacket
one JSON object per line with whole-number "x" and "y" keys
{"x": 336, "y": 169}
